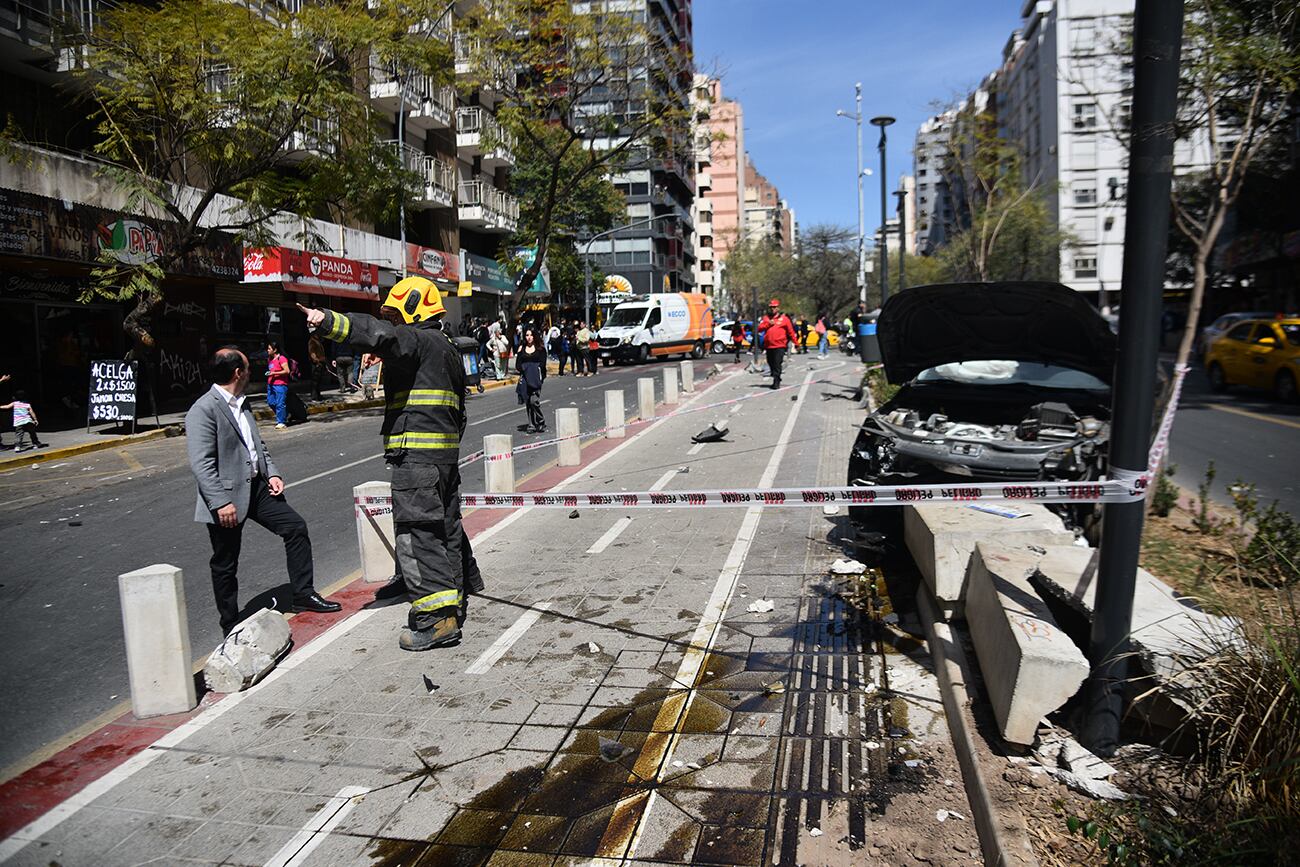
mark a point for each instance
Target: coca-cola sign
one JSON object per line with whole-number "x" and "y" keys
{"x": 311, "y": 272}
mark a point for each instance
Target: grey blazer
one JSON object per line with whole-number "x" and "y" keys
{"x": 219, "y": 457}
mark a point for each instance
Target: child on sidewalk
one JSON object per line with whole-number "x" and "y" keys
{"x": 24, "y": 422}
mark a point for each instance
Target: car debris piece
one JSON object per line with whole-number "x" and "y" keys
{"x": 775, "y": 688}
{"x": 573, "y": 514}
{"x": 847, "y": 567}
{"x": 761, "y": 606}
{"x": 713, "y": 433}
{"x": 429, "y": 686}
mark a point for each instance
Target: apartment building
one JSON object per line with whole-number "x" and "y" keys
{"x": 457, "y": 217}
{"x": 702, "y": 238}
{"x": 932, "y": 202}
{"x": 658, "y": 256}
{"x": 767, "y": 215}
{"x": 725, "y": 126}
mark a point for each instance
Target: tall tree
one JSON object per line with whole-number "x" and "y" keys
{"x": 1240, "y": 76}
{"x": 588, "y": 87}
{"x": 223, "y": 117}
{"x": 1005, "y": 229}
{"x": 826, "y": 269}
{"x": 757, "y": 265}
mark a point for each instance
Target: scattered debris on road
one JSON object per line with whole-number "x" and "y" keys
{"x": 761, "y": 606}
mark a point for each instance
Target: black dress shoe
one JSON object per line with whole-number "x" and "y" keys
{"x": 314, "y": 602}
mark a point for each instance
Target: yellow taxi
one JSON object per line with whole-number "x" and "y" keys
{"x": 1257, "y": 353}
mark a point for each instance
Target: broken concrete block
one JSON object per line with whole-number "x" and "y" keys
{"x": 249, "y": 653}
{"x": 942, "y": 536}
{"x": 1030, "y": 666}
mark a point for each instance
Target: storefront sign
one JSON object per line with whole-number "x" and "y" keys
{"x": 112, "y": 392}
{"x": 319, "y": 273}
{"x": 526, "y": 256}
{"x": 428, "y": 262}
{"x": 464, "y": 289}
{"x": 32, "y": 225}
{"x": 487, "y": 274}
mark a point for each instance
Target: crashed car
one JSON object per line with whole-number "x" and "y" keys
{"x": 1002, "y": 382}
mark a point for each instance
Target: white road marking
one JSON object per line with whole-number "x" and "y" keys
{"x": 501, "y": 415}
{"x": 37, "y": 828}
{"x": 610, "y": 535}
{"x": 735, "y": 409}
{"x": 695, "y": 449}
{"x": 318, "y": 827}
{"x": 663, "y": 481}
{"x": 507, "y": 639}
{"x": 701, "y": 642}
{"x": 349, "y": 466}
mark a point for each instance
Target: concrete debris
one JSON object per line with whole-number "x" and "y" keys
{"x": 872, "y": 745}
{"x": 847, "y": 567}
{"x": 593, "y": 647}
{"x": 1093, "y": 788}
{"x": 830, "y": 510}
{"x": 945, "y": 815}
{"x": 814, "y": 832}
{"x": 683, "y": 469}
{"x": 249, "y": 653}
{"x": 761, "y": 606}
{"x": 1057, "y": 750}
{"x": 775, "y": 688}
{"x": 612, "y": 751}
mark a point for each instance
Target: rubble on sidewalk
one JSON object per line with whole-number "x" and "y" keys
{"x": 249, "y": 653}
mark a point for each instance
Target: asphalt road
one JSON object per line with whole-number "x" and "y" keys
{"x": 1247, "y": 434}
{"x": 69, "y": 528}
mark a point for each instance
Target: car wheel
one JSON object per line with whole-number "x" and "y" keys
{"x": 697, "y": 351}
{"x": 1284, "y": 386}
{"x": 718, "y": 347}
{"x": 643, "y": 354}
{"x": 1218, "y": 382}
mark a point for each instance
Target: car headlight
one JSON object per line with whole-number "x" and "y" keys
{"x": 625, "y": 341}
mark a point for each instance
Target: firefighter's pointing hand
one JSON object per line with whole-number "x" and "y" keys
{"x": 314, "y": 317}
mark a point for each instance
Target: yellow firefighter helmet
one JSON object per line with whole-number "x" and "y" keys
{"x": 415, "y": 299}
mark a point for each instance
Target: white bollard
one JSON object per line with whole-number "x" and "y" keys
{"x": 670, "y": 386}
{"x": 372, "y": 502}
{"x": 158, "y": 659}
{"x": 566, "y": 425}
{"x": 645, "y": 396}
{"x": 688, "y": 377}
{"x": 614, "y": 417}
{"x": 499, "y": 463}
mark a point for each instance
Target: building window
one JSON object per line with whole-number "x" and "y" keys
{"x": 1084, "y": 115}
{"x": 924, "y": 199}
{"x": 1085, "y": 267}
{"x": 1085, "y": 193}
{"x": 1083, "y": 37}
{"x": 920, "y": 173}
{"x": 1084, "y": 152}
{"x": 923, "y": 187}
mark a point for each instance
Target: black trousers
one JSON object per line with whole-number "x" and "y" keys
{"x": 434, "y": 559}
{"x": 775, "y": 359}
{"x": 276, "y": 515}
{"x": 534, "y": 406}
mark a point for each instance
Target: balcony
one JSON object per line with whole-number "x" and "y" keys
{"x": 480, "y": 66}
{"x": 394, "y": 90}
{"x": 479, "y": 135}
{"x": 704, "y": 279}
{"x": 317, "y": 138}
{"x": 435, "y": 112}
{"x": 703, "y": 182}
{"x": 484, "y": 207}
{"x": 434, "y": 180}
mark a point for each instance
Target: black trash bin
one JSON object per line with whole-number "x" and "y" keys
{"x": 468, "y": 349}
{"x": 868, "y": 342}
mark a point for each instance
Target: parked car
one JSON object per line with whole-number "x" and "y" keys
{"x": 1207, "y": 334}
{"x": 1257, "y": 353}
{"x": 722, "y": 341}
{"x": 1000, "y": 382}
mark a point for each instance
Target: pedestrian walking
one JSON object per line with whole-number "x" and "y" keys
{"x": 593, "y": 351}
{"x": 277, "y": 384}
{"x": 499, "y": 349}
{"x": 424, "y": 421}
{"x": 568, "y": 351}
{"x": 802, "y": 328}
{"x": 25, "y": 423}
{"x": 238, "y": 481}
{"x": 4, "y": 377}
{"x": 823, "y": 337}
{"x": 553, "y": 341}
{"x": 320, "y": 365}
{"x": 738, "y": 338}
{"x": 582, "y": 348}
{"x": 778, "y": 332}
{"x": 343, "y": 363}
{"x": 531, "y": 365}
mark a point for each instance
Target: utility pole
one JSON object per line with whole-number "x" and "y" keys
{"x": 1157, "y": 40}
{"x": 883, "y": 121}
{"x": 902, "y": 239}
{"x": 862, "y": 244}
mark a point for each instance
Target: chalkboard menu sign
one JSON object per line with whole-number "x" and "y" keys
{"x": 112, "y": 392}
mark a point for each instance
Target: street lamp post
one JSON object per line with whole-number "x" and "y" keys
{"x": 586, "y": 256}
{"x": 883, "y": 121}
{"x": 856, "y": 117}
{"x": 902, "y": 238}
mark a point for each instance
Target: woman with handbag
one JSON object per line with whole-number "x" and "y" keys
{"x": 530, "y": 362}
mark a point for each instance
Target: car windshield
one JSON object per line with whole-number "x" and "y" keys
{"x": 625, "y": 316}
{"x": 1012, "y": 373}
{"x": 1292, "y": 332}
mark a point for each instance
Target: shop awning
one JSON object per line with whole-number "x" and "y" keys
{"x": 318, "y": 273}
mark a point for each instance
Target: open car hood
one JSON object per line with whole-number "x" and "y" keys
{"x": 925, "y": 326}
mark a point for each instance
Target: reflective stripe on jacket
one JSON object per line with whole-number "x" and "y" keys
{"x": 424, "y": 385}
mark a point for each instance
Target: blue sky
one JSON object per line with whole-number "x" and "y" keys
{"x": 792, "y": 64}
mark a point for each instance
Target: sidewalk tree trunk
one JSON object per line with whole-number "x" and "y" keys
{"x": 1241, "y": 73}
{"x": 585, "y": 95}
{"x": 224, "y": 118}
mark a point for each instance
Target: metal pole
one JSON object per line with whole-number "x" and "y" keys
{"x": 586, "y": 282}
{"x": 401, "y": 156}
{"x": 884, "y": 236}
{"x": 862, "y": 231}
{"x": 753, "y": 343}
{"x": 1157, "y": 32}
{"x": 902, "y": 239}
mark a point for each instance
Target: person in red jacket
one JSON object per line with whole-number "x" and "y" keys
{"x": 778, "y": 333}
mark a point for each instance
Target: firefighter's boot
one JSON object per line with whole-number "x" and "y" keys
{"x": 443, "y": 633}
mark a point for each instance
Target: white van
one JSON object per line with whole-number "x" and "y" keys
{"x": 656, "y": 326}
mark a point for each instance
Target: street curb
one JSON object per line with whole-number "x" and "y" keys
{"x": 86, "y": 448}
{"x": 1004, "y": 839}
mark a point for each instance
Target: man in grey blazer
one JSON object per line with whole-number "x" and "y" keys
{"x": 238, "y": 480}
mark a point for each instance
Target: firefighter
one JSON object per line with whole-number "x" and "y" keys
{"x": 424, "y": 381}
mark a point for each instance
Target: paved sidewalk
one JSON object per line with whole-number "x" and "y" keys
{"x": 614, "y": 699}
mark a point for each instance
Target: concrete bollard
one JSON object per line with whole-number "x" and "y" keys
{"x": 566, "y": 425}
{"x": 499, "y": 463}
{"x": 688, "y": 377}
{"x": 670, "y": 386}
{"x": 158, "y": 659}
{"x": 645, "y": 395}
{"x": 374, "y": 510}
{"x": 614, "y": 417}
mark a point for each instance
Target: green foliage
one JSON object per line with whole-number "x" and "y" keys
{"x": 1165, "y": 496}
{"x": 825, "y": 272}
{"x": 882, "y": 390}
{"x": 1201, "y": 520}
{"x": 759, "y": 265}
{"x": 1273, "y": 553}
